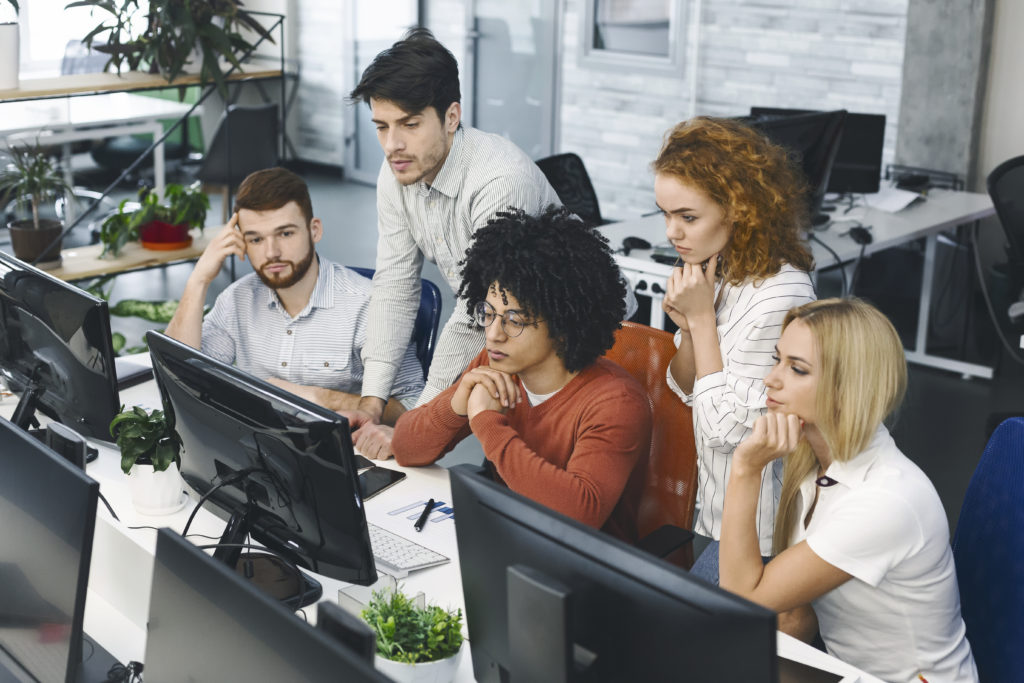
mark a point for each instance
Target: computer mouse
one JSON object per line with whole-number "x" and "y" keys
{"x": 630, "y": 243}
{"x": 860, "y": 235}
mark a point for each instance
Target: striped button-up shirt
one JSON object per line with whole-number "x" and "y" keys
{"x": 320, "y": 346}
{"x": 726, "y": 403}
{"x": 482, "y": 174}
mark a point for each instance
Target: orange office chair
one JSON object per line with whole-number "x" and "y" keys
{"x": 670, "y": 488}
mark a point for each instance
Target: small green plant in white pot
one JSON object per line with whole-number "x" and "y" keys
{"x": 415, "y": 644}
{"x": 150, "y": 456}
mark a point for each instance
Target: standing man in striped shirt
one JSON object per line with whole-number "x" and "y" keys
{"x": 440, "y": 182}
{"x": 299, "y": 321}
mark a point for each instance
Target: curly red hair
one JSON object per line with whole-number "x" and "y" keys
{"x": 756, "y": 184}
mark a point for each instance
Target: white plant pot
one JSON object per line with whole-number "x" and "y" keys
{"x": 8, "y": 56}
{"x": 441, "y": 671}
{"x": 157, "y": 493}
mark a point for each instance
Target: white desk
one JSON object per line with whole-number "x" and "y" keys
{"x": 942, "y": 210}
{"x": 65, "y": 120}
{"x": 117, "y": 605}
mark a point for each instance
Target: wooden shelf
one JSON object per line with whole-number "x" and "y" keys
{"x": 91, "y": 84}
{"x": 80, "y": 263}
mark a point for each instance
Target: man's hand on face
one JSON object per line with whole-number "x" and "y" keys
{"x": 227, "y": 242}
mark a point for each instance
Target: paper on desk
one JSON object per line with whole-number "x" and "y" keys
{"x": 891, "y": 199}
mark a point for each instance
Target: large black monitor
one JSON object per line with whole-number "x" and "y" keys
{"x": 273, "y": 464}
{"x": 858, "y": 164}
{"x": 55, "y": 349}
{"x": 47, "y": 517}
{"x": 207, "y": 624}
{"x": 549, "y": 599}
{"x": 814, "y": 139}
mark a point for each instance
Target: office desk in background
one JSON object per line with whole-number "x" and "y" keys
{"x": 66, "y": 120}
{"x": 117, "y": 606}
{"x": 942, "y": 210}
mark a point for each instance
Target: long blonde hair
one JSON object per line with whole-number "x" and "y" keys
{"x": 862, "y": 376}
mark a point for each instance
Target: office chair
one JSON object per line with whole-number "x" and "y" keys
{"x": 988, "y": 548}
{"x": 568, "y": 177}
{"x": 670, "y": 492}
{"x": 1006, "y": 188}
{"x": 246, "y": 140}
{"x": 428, "y": 318}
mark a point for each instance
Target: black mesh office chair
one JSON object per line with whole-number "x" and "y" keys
{"x": 1006, "y": 188}
{"x": 246, "y": 140}
{"x": 568, "y": 176}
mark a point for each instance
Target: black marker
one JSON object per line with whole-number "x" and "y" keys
{"x": 418, "y": 526}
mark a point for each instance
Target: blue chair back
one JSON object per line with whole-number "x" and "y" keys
{"x": 428, "y": 319}
{"x": 989, "y": 552}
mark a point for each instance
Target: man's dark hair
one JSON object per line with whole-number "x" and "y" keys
{"x": 272, "y": 188}
{"x": 560, "y": 270}
{"x": 415, "y": 73}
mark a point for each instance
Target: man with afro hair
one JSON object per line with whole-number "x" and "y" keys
{"x": 558, "y": 423}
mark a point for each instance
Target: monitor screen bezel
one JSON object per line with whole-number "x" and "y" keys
{"x": 50, "y": 401}
{"x": 228, "y": 506}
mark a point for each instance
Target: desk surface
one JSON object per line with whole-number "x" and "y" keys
{"x": 943, "y": 209}
{"x": 120, "y": 578}
{"x": 87, "y": 84}
{"x": 80, "y": 263}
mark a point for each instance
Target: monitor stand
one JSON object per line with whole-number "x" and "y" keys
{"x": 25, "y": 413}
{"x": 540, "y": 642}
{"x": 269, "y": 573}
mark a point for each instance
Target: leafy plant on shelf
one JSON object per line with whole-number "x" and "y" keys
{"x": 145, "y": 438}
{"x": 32, "y": 177}
{"x": 411, "y": 634}
{"x": 164, "y": 35}
{"x": 181, "y": 206}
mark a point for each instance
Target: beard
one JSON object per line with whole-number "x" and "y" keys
{"x": 297, "y": 272}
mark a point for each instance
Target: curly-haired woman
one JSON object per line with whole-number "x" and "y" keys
{"x": 734, "y": 208}
{"x": 558, "y": 423}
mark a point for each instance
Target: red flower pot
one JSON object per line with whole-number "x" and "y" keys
{"x": 164, "y": 236}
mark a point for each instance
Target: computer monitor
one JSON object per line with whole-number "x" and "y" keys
{"x": 207, "y": 624}
{"x": 47, "y": 517}
{"x": 549, "y": 599}
{"x": 858, "y": 164}
{"x": 56, "y": 350}
{"x": 814, "y": 139}
{"x": 273, "y": 465}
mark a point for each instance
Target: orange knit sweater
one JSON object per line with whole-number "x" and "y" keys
{"x": 583, "y": 452}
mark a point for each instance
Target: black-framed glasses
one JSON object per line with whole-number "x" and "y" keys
{"x": 512, "y": 322}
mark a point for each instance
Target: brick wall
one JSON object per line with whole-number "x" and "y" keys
{"x": 815, "y": 54}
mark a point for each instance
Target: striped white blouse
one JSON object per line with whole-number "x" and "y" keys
{"x": 726, "y": 403}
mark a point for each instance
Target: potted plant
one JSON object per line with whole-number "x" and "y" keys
{"x": 157, "y": 224}
{"x": 33, "y": 179}
{"x": 150, "y": 456}
{"x": 174, "y": 34}
{"x": 414, "y": 643}
{"x": 9, "y": 45}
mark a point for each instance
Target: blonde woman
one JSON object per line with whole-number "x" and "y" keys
{"x": 734, "y": 209}
{"x": 861, "y": 538}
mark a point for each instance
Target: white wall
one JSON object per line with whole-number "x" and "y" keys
{"x": 814, "y": 54}
{"x": 1002, "y": 132}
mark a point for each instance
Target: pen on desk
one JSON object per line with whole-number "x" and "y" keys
{"x": 418, "y": 526}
